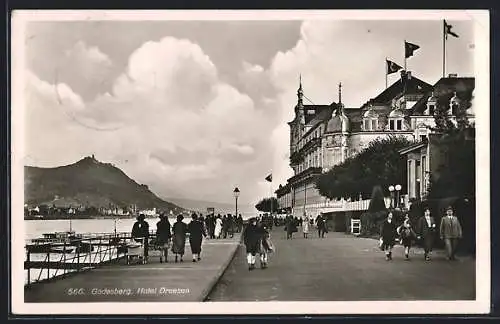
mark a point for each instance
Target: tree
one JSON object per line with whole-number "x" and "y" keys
{"x": 265, "y": 205}
{"x": 377, "y": 202}
{"x": 378, "y": 164}
{"x": 455, "y": 176}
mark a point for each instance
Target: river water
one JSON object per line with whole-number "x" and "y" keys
{"x": 36, "y": 228}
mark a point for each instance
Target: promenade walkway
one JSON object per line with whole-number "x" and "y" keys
{"x": 153, "y": 282}
{"x": 342, "y": 267}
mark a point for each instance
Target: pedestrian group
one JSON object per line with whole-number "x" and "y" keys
{"x": 450, "y": 231}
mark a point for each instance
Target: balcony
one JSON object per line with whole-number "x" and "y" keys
{"x": 311, "y": 171}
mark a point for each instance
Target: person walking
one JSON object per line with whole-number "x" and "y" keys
{"x": 251, "y": 238}
{"x": 179, "y": 238}
{"x": 407, "y": 235}
{"x": 388, "y": 236}
{"x": 140, "y": 233}
{"x": 305, "y": 226}
{"x": 290, "y": 227}
{"x": 450, "y": 232}
{"x": 218, "y": 227}
{"x": 265, "y": 244}
{"x": 163, "y": 236}
{"x": 426, "y": 228}
{"x": 321, "y": 225}
{"x": 196, "y": 234}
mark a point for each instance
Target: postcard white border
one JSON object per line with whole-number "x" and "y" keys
{"x": 483, "y": 268}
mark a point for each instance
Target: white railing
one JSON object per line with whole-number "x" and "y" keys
{"x": 342, "y": 205}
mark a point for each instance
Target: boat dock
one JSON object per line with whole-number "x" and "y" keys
{"x": 108, "y": 277}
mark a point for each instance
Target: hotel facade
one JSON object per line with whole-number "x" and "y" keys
{"x": 323, "y": 136}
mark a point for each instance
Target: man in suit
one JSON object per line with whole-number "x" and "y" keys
{"x": 450, "y": 231}
{"x": 426, "y": 231}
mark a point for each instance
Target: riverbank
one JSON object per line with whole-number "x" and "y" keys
{"x": 151, "y": 282}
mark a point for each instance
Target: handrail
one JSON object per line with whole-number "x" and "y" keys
{"x": 105, "y": 245}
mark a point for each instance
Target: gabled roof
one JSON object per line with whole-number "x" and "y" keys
{"x": 445, "y": 86}
{"x": 412, "y": 86}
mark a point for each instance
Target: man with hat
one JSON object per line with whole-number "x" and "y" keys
{"x": 140, "y": 233}
{"x": 450, "y": 231}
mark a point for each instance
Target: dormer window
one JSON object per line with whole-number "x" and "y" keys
{"x": 370, "y": 120}
{"x": 431, "y": 105}
{"x": 396, "y": 124}
{"x": 454, "y": 109}
{"x": 396, "y": 120}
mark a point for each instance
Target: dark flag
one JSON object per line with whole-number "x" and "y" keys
{"x": 392, "y": 67}
{"x": 410, "y": 48}
{"x": 447, "y": 30}
{"x": 269, "y": 178}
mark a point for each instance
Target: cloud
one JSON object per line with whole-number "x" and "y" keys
{"x": 354, "y": 53}
{"x": 85, "y": 68}
{"x": 177, "y": 124}
{"x": 170, "y": 118}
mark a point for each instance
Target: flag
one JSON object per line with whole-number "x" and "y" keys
{"x": 392, "y": 67}
{"x": 410, "y": 48}
{"x": 447, "y": 30}
{"x": 269, "y": 178}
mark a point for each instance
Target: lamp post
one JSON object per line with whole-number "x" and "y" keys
{"x": 391, "y": 190}
{"x": 236, "y": 194}
{"x": 398, "y": 188}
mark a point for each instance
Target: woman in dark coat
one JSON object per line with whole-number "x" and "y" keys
{"x": 163, "y": 236}
{"x": 179, "y": 239}
{"x": 388, "y": 236}
{"x": 252, "y": 236}
{"x": 290, "y": 227}
{"x": 196, "y": 233}
{"x": 407, "y": 235}
{"x": 427, "y": 232}
{"x": 140, "y": 233}
{"x": 321, "y": 224}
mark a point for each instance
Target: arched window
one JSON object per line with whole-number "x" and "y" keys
{"x": 370, "y": 120}
{"x": 396, "y": 120}
{"x": 431, "y": 105}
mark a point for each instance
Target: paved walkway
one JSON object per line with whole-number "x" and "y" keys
{"x": 155, "y": 281}
{"x": 344, "y": 268}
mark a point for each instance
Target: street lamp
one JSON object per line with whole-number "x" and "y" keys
{"x": 236, "y": 193}
{"x": 398, "y": 188}
{"x": 391, "y": 189}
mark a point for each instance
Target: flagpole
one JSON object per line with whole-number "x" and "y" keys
{"x": 271, "y": 191}
{"x": 405, "y": 53}
{"x": 386, "y": 72}
{"x": 444, "y": 48}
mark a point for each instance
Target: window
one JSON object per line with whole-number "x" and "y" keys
{"x": 374, "y": 124}
{"x": 422, "y": 138}
{"x": 431, "y": 109}
{"x": 391, "y": 124}
{"x": 454, "y": 109}
{"x": 366, "y": 126}
{"x": 399, "y": 124}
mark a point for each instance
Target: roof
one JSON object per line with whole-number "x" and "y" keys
{"x": 412, "y": 147}
{"x": 322, "y": 112}
{"x": 413, "y": 85}
{"x": 445, "y": 86}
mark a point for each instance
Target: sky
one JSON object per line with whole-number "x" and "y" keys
{"x": 196, "y": 108}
